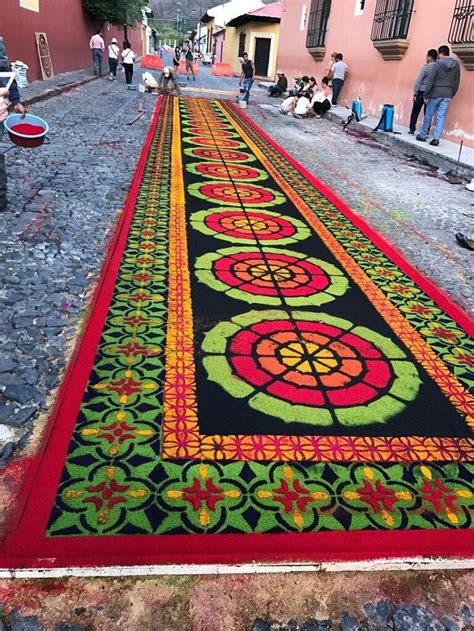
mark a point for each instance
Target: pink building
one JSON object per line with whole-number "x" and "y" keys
{"x": 385, "y": 43}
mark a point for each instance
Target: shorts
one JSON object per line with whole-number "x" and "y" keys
{"x": 189, "y": 65}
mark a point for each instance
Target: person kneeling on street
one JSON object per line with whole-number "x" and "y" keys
{"x": 303, "y": 106}
{"x": 321, "y": 102}
{"x": 288, "y": 105}
{"x": 168, "y": 82}
{"x": 280, "y": 87}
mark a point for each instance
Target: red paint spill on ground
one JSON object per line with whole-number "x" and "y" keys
{"x": 27, "y": 129}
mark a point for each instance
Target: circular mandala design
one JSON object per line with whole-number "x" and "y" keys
{"x": 236, "y": 193}
{"x": 270, "y": 276}
{"x": 213, "y": 133}
{"x": 224, "y": 143}
{"x": 204, "y": 124}
{"x": 310, "y": 368}
{"x": 225, "y": 155}
{"x": 238, "y": 226}
{"x": 227, "y": 171}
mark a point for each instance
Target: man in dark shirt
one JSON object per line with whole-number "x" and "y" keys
{"x": 14, "y": 98}
{"x": 246, "y": 76}
{"x": 281, "y": 86}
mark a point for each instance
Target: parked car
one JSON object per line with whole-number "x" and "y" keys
{"x": 207, "y": 59}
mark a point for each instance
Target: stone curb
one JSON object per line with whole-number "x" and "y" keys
{"x": 48, "y": 94}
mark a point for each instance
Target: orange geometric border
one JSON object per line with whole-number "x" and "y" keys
{"x": 181, "y": 436}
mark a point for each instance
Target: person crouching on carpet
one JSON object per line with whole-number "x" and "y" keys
{"x": 168, "y": 82}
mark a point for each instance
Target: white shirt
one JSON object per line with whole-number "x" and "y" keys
{"x": 287, "y": 105}
{"x": 320, "y": 97}
{"x": 114, "y": 51}
{"x": 128, "y": 56}
{"x": 339, "y": 70}
{"x": 97, "y": 42}
{"x": 303, "y": 106}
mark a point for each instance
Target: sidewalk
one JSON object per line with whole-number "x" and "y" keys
{"x": 41, "y": 90}
{"x": 444, "y": 157}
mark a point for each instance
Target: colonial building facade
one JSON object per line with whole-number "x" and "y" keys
{"x": 385, "y": 43}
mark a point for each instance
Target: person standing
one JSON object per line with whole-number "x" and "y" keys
{"x": 246, "y": 76}
{"x": 97, "y": 46}
{"x": 189, "y": 56}
{"x": 128, "y": 59}
{"x": 114, "y": 52}
{"x": 419, "y": 89}
{"x": 7, "y": 96}
{"x": 176, "y": 58}
{"x": 339, "y": 70}
{"x": 441, "y": 86}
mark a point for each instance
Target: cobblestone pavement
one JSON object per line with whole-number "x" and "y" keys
{"x": 65, "y": 198}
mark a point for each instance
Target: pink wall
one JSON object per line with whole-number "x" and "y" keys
{"x": 372, "y": 78}
{"x": 68, "y": 34}
{"x": 219, "y": 40}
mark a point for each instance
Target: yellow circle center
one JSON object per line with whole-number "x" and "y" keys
{"x": 307, "y": 357}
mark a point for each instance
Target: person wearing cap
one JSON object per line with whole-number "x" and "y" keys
{"x": 114, "y": 52}
{"x": 168, "y": 82}
{"x": 280, "y": 87}
{"x": 7, "y": 98}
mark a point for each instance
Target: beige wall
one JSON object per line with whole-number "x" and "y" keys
{"x": 252, "y": 30}
{"x": 372, "y": 78}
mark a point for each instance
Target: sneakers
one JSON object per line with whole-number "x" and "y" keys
{"x": 434, "y": 142}
{"x": 464, "y": 241}
{"x": 421, "y": 138}
{"x": 412, "y": 133}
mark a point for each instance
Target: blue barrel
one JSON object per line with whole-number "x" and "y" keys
{"x": 389, "y": 116}
{"x": 357, "y": 109}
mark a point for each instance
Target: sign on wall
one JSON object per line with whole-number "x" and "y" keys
{"x": 44, "y": 55}
{"x": 32, "y": 5}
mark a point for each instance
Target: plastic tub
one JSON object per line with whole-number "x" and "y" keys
{"x": 25, "y": 140}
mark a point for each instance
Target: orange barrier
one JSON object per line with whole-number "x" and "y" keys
{"x": 153, "y": 62}
{"x": 222, "y": 70}
{"x": 182, "y": 68}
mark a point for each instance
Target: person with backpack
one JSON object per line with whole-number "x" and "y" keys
{"x": 441, "y": 86}
{"x": 114, "y": 52}
{"x": 128, "y": 59}
{"x": 420, "y": 87}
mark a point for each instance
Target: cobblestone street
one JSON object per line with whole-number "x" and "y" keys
{"x": 65, "y": 199}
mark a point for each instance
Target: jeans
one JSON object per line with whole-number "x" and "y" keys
{"x": 336, "y": 89}
{"x": 97, "y": 60}
{"x": 128, "y": 73}
{"x": 247, "y": 86}
{"x": 439, "y": 106}
{"x": 113, "y": 63}
{"x": 275, "y": 90}
{"x": 415, "y": 112}
{"x": 3, "y": 181}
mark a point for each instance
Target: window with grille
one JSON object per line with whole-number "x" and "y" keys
{"x": 462, "y": 25}
{"x": 391, "y": 19}
{"x": 241, "y": 44}
{"x": 318, "y": 23}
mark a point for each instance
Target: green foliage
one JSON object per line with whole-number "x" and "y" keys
{"x": 166, "y": 31}
{"x": 118, "y": 12}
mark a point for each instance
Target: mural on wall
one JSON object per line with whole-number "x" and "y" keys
{"x": 32, "y": 5}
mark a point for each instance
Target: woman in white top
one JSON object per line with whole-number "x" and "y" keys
{"x": 321, "y": 102}
{"x": 114, "y": 52}
{"x": 128, "y": 59}
{"x": 303, "y": 106}
{"x": 288, "y": 105}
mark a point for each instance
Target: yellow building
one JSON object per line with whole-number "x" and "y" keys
{"x": 256, "y": 33}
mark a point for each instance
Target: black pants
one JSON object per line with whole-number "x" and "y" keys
{"x": 321, "y": 108}
{"x": 415, "y": 112}
{"x": 336, "y": 89}
{"x": 128, "y": 73}
{"x": 3, "y": 183}
{"x": 113, "y": 63}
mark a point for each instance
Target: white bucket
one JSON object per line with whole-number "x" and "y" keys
{"x": 243, "y": 105}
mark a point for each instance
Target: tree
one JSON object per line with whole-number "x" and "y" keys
{"x": 118, "y": 12}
